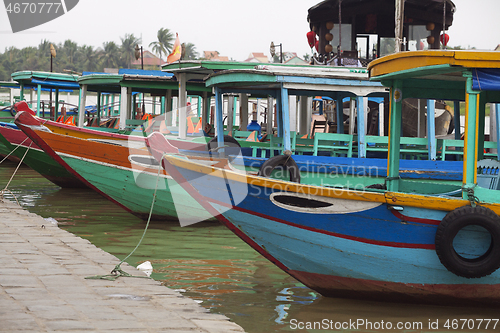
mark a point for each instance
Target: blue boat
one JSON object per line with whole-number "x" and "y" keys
{"x": 425, "y": 240}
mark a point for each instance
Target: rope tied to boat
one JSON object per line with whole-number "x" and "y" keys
{"x": 117, "y": 271}
{"x": 472, "y": 197}
{"x": 388, "y": 179}
{"x": 2, "y": 192}
{"x": 288, "y": 154}
{"x": 13, "y": 150}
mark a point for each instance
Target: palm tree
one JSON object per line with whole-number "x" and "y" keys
{"x": 165, "y": 42}
{"x": 88, "y": 57}
{"x": 44, "y": 48}
{"x": 128, "y": 47}
{"x": 189, "y": 51}
{"x": 31, "y": 58}
{"x": 110, "y": 55}
{"x": 11, "y": 59}
{"x": 70, "y": 49}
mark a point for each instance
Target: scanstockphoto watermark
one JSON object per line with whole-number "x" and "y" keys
{"x": 375, "y": 325}
{"x": 25, "y": 14}
{"x": 354, "y": 324}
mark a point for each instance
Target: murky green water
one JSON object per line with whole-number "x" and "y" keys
{"x": 208, "y": 263}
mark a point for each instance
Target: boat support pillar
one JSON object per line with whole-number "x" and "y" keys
{"x": 396, "y": 107}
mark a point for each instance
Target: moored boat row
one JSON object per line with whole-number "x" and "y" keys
{"x": 375, "y": 243}
{"x": 429, "y": 233}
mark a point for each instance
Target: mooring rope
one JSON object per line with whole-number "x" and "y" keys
{"x": 117, "y": 271}
{"x": 15, "y": 171}
{"x": 13, "y": 150}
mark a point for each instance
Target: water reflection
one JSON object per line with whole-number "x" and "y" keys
{"x": 209, "y": 264}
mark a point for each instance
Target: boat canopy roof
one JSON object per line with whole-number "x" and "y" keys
{"x": 147, "y": 81}
{"x": 416, "y": 12}
{"x": 267, "y": 80}
{"x": 31, "y": 79}
{"x": 198, "y": 70}
{"x": 440, "y": 74}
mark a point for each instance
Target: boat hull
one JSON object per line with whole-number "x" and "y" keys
{"x": 121, "y": 171}
{"x": 36, "y": 158}
{"x": 356, "y": 245}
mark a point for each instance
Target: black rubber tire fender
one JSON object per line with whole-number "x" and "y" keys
{"x": 284, "y": 160}
{"x": 449, "y": 227}
{"x": 228, "y": 141}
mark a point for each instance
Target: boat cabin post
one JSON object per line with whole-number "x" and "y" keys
{"x": 471, "y": 135}
{"x": 219, "y": 126}
{"x": 181, "y": 77}
{"x": 396, "y": 107}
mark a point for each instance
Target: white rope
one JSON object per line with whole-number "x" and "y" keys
{"x": 15, "y": 171}
{"x": 13, "y": 150}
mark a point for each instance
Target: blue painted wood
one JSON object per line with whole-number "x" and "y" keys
{"x": 374, "y": 244}
{"x": 38, "y": 103}
{"x": 285, "y": 115}
{"x": 219, "y": 119}
{"x": 431, "y": 128}
{"x": 375, "y": 167}
{"x": 330, "y": 255}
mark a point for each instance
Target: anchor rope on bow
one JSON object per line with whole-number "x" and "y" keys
{"x": 2, "y": 192}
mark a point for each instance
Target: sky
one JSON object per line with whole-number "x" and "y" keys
{"x": 234, "y": 28}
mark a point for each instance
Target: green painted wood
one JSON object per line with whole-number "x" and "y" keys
{"x": 27, "y": 76}
{"x": 414, "y": 73}
{"x": 481, "y": 120}
{"x": 39, "y": 96}
{"x": 394, "y": 136}
{"x": 21, "y": 92}
{"x": 470, "y": 136}
{"x": 334, "y": 143}
{"x": 240, "y": 78}
{"x": 135, "y": 190}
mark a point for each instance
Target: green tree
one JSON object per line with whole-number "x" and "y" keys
{"x": 164, "y": 43}
{"x": 11, "y": 60}
{"x": 70, "y": 48}
{"x": 88, "y": 58}
{"x": 44, "y": 48}
{"x": 128, "y": 47}
{"x": 189, "y": 51}
{"x": 30, "y": 57}
{"x": 110, "y": 55}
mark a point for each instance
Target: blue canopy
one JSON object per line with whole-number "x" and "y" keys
{"x": 56, "y": 84}
{"x": 143, "y": 72}
{"x": 486, "y": 79}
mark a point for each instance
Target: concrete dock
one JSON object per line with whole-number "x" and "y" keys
{"x": 43, "y": 286}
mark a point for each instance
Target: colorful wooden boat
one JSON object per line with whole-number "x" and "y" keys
{"x": 33, "y": 156}
{"x": 393, "y": 244}
{"x": 104, "y": 160}
{"x": 121, "y": 170}
{"x": 14, "y": 140}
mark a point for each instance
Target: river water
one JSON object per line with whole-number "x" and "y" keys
{"x": 206, "y": 262}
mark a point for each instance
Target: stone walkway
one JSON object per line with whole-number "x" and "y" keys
{"x": 43, "y": 286}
